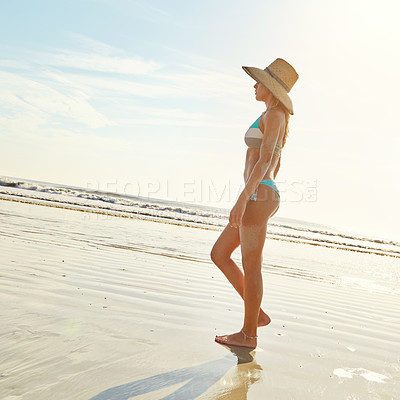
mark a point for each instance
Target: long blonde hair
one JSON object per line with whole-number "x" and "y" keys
{"x": 287, "y": 117}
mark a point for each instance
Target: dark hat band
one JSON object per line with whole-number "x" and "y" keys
{"x": 276, "y": 77}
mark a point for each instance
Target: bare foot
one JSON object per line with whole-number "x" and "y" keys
{"x": 263, "y": 319}
{"x": 237, "y": 339}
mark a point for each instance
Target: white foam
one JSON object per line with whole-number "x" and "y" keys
{"x": 365, "y": 373}
{"x": 342, "y": 373}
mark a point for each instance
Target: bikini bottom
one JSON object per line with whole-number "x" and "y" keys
{"x": 267, "y": 182}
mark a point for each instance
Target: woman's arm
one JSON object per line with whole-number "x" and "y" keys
{"x": 246, "y": 171}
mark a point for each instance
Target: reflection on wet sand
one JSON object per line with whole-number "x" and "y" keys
{"x": 201, "y": 378}
{"x": 235, "y": 386}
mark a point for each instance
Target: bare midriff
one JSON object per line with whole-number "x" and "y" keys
{"x": 252, "y": 157}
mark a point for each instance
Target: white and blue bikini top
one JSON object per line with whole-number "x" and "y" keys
{"x": 253, "y": 137}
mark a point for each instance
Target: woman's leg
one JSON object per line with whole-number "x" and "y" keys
{"x": 252, "y": 247}
{"x": 221, "y": 253}
{"x": 252, "y": 238}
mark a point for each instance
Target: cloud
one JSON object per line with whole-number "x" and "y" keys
{"x": 91, "y": 45}
{"x": 95, "y": 55}
{"x": 110, "y": 86}
{"x": 23, "y": 99}
{"x": 202, "y": 84}
{"x": 171, "y": 117}
{"x": 104, "y": 87}
{"x": 102, "y": 63}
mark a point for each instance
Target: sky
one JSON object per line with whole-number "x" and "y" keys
{"x": 149, "y": 98}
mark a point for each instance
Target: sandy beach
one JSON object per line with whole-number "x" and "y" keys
{"x": 106, "y": 308}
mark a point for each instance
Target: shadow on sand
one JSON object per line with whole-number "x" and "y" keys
{"x": 200, "y": 378}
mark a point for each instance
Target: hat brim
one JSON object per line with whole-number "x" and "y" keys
{"x": 271, "y": 84}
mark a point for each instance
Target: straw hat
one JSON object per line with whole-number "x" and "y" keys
{"x": 279, "y": 77}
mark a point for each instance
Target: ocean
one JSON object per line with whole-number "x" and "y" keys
{"x": 185, "y": 214}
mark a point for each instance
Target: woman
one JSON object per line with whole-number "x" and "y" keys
{"x": 259, "y": 199}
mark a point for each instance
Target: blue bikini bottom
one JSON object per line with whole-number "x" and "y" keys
{"x": 267, "y": 182}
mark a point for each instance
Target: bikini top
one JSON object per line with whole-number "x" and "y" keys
{"x": 253, "y": 137}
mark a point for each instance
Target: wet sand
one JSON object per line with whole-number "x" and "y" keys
{"x": 100, "y": 307}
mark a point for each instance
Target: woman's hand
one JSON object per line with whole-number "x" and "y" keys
{"x": 236, "y": 215}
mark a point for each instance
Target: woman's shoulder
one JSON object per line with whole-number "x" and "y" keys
{"x": 274, "y": 116}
